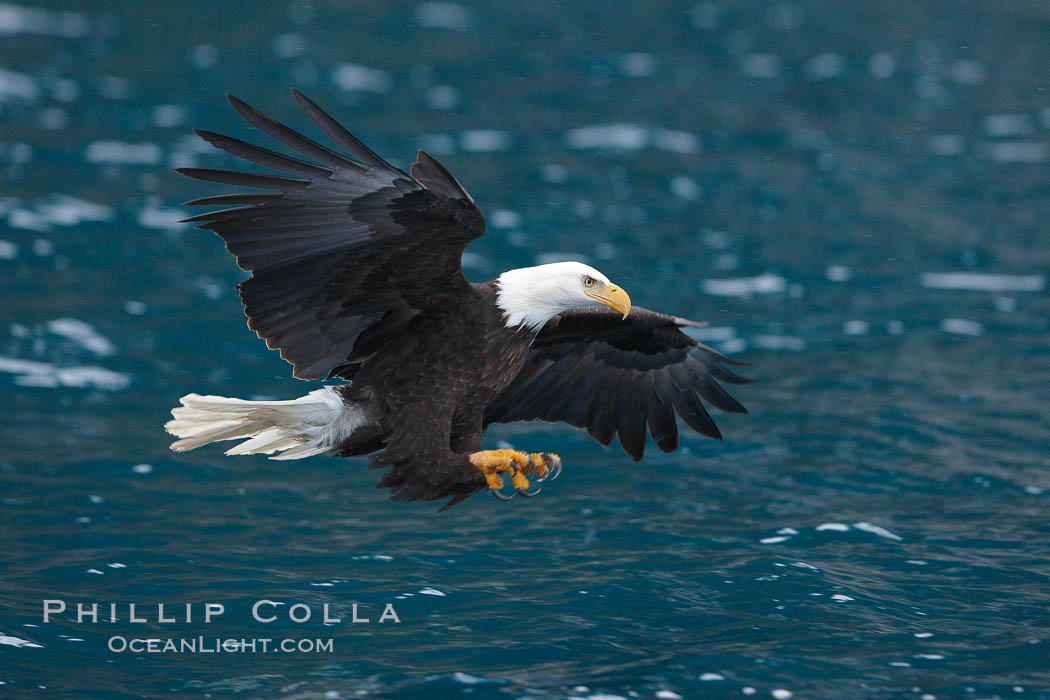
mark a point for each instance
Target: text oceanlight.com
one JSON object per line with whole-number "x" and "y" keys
{"x": 214, "y": 645}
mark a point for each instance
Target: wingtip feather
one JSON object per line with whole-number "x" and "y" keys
{"x": 235, "y": 101}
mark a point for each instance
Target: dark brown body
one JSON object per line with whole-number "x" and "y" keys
{"x": 435, "y": 418}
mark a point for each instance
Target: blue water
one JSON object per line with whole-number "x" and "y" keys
{"x": 854, "y": 196}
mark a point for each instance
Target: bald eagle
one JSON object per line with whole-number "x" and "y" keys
{"x": 356, "y": 275}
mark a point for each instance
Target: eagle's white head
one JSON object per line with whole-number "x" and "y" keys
{"x": 531, "y": 296}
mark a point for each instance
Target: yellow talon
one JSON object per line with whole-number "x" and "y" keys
{"x": 541, "y": 469}
{"x": 494, "y": 463}
{"x": 519, "y": 481}
{"x": 494, "y": 481}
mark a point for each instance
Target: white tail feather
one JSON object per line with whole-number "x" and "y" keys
{"x": 309, "y": 425}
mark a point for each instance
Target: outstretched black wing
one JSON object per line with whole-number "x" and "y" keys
{"x": 336, "y": 246}
{"x": 590, "y": 369}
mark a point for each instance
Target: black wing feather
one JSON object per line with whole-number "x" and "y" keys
{"x": 289, "y": 137}
{"x": 601, "y": 418}
{"x": 437, "y": 178}
{"x": 235, "y": 198}
{"x": 341, "y": 136}
{"x": 659, "y": 417}
{"x": 263, "y": 156}
{"x": 233, "y": 177}
{"x": 614, "y": 377}
{"x": 630, "y": 422}
{"x": 695, "y": 415}
{"x": 341, "y": 245}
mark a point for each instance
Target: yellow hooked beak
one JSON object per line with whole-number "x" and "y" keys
{"x": 611, "y": 296}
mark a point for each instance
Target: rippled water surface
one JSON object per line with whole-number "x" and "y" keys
{"x": 854, "y": 196}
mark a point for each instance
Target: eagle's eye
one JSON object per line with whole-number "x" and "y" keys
{"x": 588, "y": 281}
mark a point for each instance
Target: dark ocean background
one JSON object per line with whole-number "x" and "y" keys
{"x": 854, "y": 195}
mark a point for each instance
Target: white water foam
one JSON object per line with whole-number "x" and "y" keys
{"x": 631, "y": 137}
{"x": 15, "y": 85}
{"x": 15, "y": 19}
{"x": 47, "y": 375}
{"x": 744, "y": 286}
{"x": 123, "y": 153}
{"x": 983, "y": 282}
{"x": 19, "y": 642}
{"x": 354, "y": 77}
{"x": 83, "y": 334}
{"x": 877, "y": 530}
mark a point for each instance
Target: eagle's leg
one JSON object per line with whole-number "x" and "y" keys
{"x": 494, "y": 463}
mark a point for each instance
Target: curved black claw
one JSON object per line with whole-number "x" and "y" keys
{"x": 554, "y": 470}
{"x": 529, "y": 494}
{"x": 534, "y": 469}
{"x": 500, "y": 497}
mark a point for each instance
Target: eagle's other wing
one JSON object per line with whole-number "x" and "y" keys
{"x": 337, "y": 246}
{"x": 591, "y": 369}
